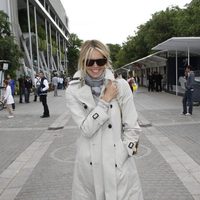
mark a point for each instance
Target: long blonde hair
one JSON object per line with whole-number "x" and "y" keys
{"x": 86, "y": 50}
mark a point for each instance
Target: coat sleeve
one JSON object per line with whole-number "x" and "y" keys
{"x": 88, "y": 122}
{"x": 131, "y": 128}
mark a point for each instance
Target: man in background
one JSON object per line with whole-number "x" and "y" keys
{"x": 55, "y": 85}
{"x": 36, "y": 86}
{"x": 188, "y": 96}
{"x": 43, "y": 89}
{"x": 28, "y": 86}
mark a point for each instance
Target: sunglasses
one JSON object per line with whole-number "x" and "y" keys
{"x": 99, "y": 62}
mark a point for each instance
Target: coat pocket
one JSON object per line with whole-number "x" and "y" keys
{"x": 121, "y": 153}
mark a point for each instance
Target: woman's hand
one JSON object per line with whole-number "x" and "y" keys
{"x": 110, "y": 92}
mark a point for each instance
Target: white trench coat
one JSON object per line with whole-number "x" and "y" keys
{"x": 104, "y": 167}
{"x": 8, "y": 95}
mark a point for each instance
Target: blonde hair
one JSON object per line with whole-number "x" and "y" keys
{"x": 86, "y": 50}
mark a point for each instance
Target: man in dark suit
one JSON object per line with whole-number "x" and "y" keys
{"x": 42, "y": 90}
{"x": 189, "y": 89}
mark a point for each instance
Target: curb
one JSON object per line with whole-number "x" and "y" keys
{"x": 143, "y": 122}
{"x": 59, "y": 123}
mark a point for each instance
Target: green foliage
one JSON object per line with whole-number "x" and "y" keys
{"x": 41, "y": 32}
{"x": 9, "y": 50}
{"x": 173, "y": 22}
{"x": 4, "y": 25}
{"x": 188, "y": 20}
{"x": 54, "y": 47}
{"x": 73, "y": 53}
{"x": 114, "y": 50}
{"x": 42, "y": 45}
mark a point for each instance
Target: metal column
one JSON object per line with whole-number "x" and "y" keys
{"x": 176, "y": 73}
{"x": 30, "y": 40}
{"x": 36, "y": 37}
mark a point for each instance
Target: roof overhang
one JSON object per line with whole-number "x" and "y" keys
{"x": 186, "y": 44}
{"x": 51, "y": 20}
{"x": 152, "y": 60}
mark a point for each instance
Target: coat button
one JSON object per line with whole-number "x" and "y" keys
{"x": 90, "y": 163}
{"x": 115, "y": 165}
{"x": 85, "y": 106}
{"x": 114, "y": 145}
{"x": 109, "y": 125}
{"x": 111, "y": 105}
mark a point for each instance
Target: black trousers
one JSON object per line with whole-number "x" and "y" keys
{"x": 188, "y": 101}
{"x": 43, "y": 99}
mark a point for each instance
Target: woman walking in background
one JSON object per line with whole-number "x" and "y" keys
{"x": 11, "y": 82}
{"x": 105, "y": 113}
{"x": 8, "y": 98}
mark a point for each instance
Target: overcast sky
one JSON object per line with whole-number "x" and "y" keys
{"x": 112, "y": 21}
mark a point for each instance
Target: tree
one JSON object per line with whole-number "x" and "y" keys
{"x": 114, "y": 51}
{"x": 9, "y": 50}
{"x": 73, "y": 53}
{"x": 173, "y": 22}
{"x": 188, "y": 20}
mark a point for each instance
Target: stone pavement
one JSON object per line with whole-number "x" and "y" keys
{"x": 36, "y": 155}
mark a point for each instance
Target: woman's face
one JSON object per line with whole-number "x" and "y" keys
{"x": 95, "y": 70}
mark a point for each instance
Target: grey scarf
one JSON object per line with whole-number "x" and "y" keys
{"x": 95, "y": 84}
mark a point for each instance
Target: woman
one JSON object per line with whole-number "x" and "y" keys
{"x": 11, "y": 82}
{"x": 99, "y": 105}
{"x": 8, "y": 98}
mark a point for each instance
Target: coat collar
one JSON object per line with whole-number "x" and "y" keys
{"x": 84, "y": 93}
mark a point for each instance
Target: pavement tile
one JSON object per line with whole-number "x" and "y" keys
{"x": 168, "y": 160}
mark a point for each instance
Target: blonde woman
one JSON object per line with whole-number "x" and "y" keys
{"x": 8, "y": 98}
{"x": 104, "y": 111}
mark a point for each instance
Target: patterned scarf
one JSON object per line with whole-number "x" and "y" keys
{"x": 95, "y": 84}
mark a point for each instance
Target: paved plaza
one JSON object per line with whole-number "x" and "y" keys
{"x": 37, "y": 155}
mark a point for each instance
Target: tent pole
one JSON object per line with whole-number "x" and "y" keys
{"x": 188, "y": 56}
{"x": 176, "y": 74}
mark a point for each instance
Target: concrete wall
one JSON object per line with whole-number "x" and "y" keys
{"x": 5, "y": 5}
{"x": 57, "y": 5}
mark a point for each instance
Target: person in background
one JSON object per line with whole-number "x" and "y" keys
{"x": 151, "y": 82}
{"x": 61, "y": 81}
{"x": 160, "y": 77}
{"x": 43, "y": 89}
{"x": 55, "y": 85}
{"x": 21, "y": 88}
{"x": 131, "y": 80}
{"x": 12, "y": 85}
{"x": 36, "y": 86}
{"x": 188, "y": 95}
{"x": 104, "y": 110}
{"x": 8, "y": 98}
{"x": 27, "y": 87}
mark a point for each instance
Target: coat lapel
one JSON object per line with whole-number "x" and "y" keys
{"x": 84, "y": 94}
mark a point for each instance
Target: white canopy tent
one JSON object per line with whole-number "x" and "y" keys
{"x": 149, "y": 61}
{"x": 184, "y": 44}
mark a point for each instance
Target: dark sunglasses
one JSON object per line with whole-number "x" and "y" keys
{"x": 99, "y": 62}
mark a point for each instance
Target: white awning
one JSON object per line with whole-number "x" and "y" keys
{"x": 152, "y": 60}
{"x": 177, "y": 44}
{"x": 191, "y": 44}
